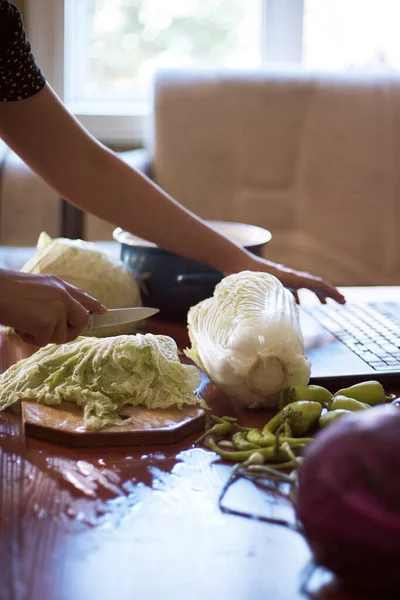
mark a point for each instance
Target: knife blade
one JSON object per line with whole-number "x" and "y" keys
{"x": 119, "y": 316}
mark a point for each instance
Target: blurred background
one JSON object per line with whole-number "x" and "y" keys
{"x": 101, "y": 54}
{"x": 283, "y": 114}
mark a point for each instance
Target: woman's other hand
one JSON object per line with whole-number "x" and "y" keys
{"x": 296, "y": 280}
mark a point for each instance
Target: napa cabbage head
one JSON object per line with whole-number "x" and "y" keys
{"x": 247, "y": 338}
{"x": 104, "y": 375}
{"x": 83, "y": 265}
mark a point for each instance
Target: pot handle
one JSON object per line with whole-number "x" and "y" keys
{"x": 199, "y": 278}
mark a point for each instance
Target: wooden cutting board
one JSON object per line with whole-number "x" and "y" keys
{"x": 64, "y": 425}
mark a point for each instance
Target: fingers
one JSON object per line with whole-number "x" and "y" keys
{"x": 38, "y": 336}
{"x": 28, "y": 339}
{"x": 77, "y": 319}
{"x": 322, "y": 289}
{"x": 46, "y": 309}
{"x": 296, "y": 296}
{"x": 296, "y": 280}
{"x": 79, "y": 305}
{"x": 88, "y": 302}
{"x": 321, "y": 298}
{"x": 40, "y": 340}
{"x": 60, "y": 332}
{"x": 325, "y": 290}
{"x": 65, "y": 326}
{"x": 73, "y": 333}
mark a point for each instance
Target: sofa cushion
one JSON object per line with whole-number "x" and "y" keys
{"x": 311, "y": 157}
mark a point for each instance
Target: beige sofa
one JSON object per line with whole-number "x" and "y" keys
{"x": 314, "y": 158}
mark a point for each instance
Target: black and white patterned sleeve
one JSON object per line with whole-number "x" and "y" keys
{"x": 20, "y": 77}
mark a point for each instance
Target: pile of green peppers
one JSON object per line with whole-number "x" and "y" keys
{"x": 303, "y": 410}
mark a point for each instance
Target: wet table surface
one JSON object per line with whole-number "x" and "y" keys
{"x": 141, "y": 522}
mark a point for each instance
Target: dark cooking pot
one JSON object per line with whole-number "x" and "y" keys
{"x": 173, "y": 283}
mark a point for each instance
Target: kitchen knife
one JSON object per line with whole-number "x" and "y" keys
{"x": 119, "y": 316}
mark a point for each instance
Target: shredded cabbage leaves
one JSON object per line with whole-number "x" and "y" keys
{"x": 103, "y": 375}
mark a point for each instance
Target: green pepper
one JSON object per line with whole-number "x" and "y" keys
{"x": 270, "y": 453}
{"x": 254, "y": 459}
{"x": 241, "y": 442}
{"x": 255, "y": 436}
{"x": 219, "y": 429}
{"x": 347, "y": 403}
{"x": 218, "y": 419}
{"x": 303, "y": 414}
{"x": 300, "y": 415}
{"x": 273, "y": 473}
{"x": 296, "y": 442}
{"x": 332, "y": 416}
{"x": 315, "y": 393}
{"x": 371, "y": 392}
{"x": 273, "y": 424}
{"x": 240, "y": 428}
{"x": 287, "y": 430}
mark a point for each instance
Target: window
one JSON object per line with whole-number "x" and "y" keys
{"x": 124, "y": 41}
{"x": 111, "y": 48}
{"x": 351, "y": 34}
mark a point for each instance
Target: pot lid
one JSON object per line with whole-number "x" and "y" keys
{"x": 242, "y": 234}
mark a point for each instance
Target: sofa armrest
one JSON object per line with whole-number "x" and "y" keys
{"x": 138, "y": 159}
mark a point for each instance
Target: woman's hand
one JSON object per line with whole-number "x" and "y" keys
{"x": 43, "y": 308}
{"x": 295, "y": 280}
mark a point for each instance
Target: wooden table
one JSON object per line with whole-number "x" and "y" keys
{"x": 139, "y": 522}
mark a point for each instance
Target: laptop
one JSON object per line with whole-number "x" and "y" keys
{"x": 355, "y": 342}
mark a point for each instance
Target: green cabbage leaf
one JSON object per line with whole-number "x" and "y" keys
{"x": 104, "y": 375}
{"x": 83, "y": 265}
{"x": 247, "y": 338}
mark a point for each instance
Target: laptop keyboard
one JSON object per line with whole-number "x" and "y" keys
{"x": 370, "y": 330}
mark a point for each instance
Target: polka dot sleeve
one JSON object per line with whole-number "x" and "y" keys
{"x": 20, "y": 77}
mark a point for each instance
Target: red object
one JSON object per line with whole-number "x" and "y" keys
{"x": 349, "y": 498}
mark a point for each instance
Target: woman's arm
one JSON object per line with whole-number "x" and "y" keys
{"x": 81, "y": 170}
{"x": 51, "y": 141}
